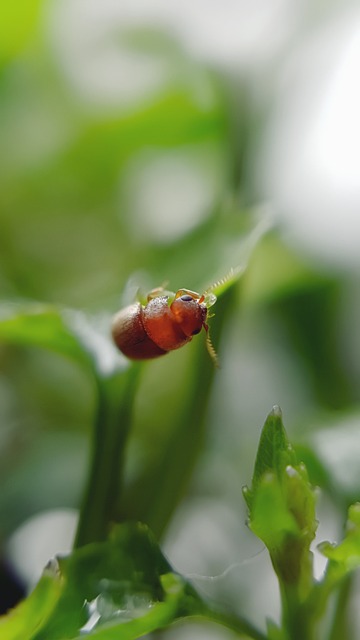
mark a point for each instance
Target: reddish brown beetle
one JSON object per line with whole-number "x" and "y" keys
{"x": 166, "y": 322}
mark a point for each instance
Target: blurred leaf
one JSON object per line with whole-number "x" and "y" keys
{"x": 22, "y": 622}
{"x": 18, "y": 19}
{"x": 70, "y": 333}
{"x": 337, "y": 448}
{"x": 62, "y": 198}
{"x": 73, "y": 334}
{"x": 319, "y": 474}
{"x": 39, "y": 326}
{"x": 310, "y": 317}
{"x": 274, "y": 632}
{"x": 343, "y": 559}
{"x": 276, "y": 271}
{"x": 36, "y": 478}
{"x": 347, "y": 553}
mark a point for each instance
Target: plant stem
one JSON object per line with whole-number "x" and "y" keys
{"x": 340, "y": 627}
{"x": 297, "y": 619}
{"x": 112, "y": 426}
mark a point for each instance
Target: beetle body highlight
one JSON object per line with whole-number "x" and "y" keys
{"x": 144, "y": 332}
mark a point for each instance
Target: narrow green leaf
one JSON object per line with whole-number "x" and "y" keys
{"x": 69, "y": 332}
{"x": 32, "y": 613}
{"x": 39, "y": 326}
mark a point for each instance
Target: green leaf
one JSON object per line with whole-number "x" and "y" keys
{"x": 152, "y": 616}
{"x": 22, "y": 622}
{"x": 87, "y": 340}
{"x": 281, "y": 505}
{"x": 120, "y": 589}
{"x": 271, "y": 519}
{"x": 38, "y": 325}
{"x": 274, "y": 452}
{"x": 112, "y": 583}
{"x": 71, "y": 333}
{"x": 276, "y": 271}
{"x": 346, "y": 554}
{"x": 343, "y": 559}
{"x": 274, "y": 632}
{"x": 319, "y": 475}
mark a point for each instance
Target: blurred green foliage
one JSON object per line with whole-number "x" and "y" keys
{"x": 92, "y": 190}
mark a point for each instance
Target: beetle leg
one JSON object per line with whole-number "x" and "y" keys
{"x": 158, "y": 292}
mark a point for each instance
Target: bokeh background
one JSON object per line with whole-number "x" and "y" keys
{"x": 140, "y": 143}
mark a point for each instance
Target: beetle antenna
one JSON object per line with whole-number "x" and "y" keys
{"x": 231, "y": 274}
{"x": 211, "y": 349}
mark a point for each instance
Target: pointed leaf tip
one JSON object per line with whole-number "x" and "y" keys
{"x": 276, "y": 411}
